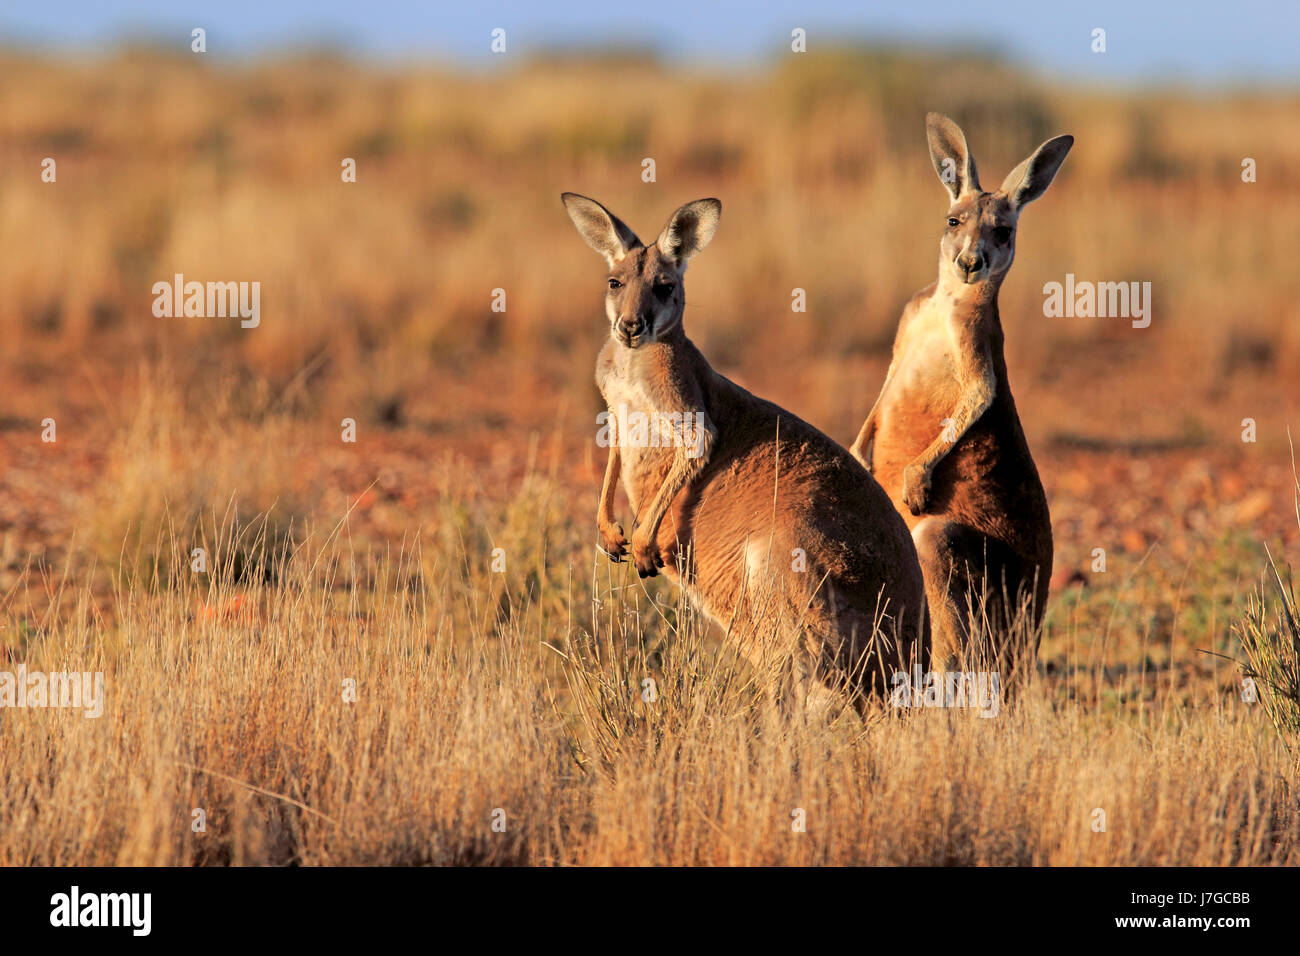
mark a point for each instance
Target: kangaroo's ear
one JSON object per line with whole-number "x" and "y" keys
{"x": 690, "y": 229}
{"x": 951, "y": 156}
{"x": 1031, "y": 178}
{"x": 604, "y": 231}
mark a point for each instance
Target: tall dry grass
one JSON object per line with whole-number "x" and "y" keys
{"x": 1269, "y": 632}
{"x": 523, "y": 692}
{"x": 228, "y": 696}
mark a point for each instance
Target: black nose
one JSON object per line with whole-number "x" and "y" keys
{"x": 969, "y": 264}
{"x": 628, "y": 328}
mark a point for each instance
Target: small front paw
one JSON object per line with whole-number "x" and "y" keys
{"x": 612, "y": 542}
{"x": 648, "y": 557}
{"x": 916, "y": 488}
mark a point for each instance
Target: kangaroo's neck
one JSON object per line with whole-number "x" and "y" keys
{"x": 979, "y": 296}
{"x": 973, "y": 305}
{"x": 972, "y": 308}
{"x": 664, "y": 367}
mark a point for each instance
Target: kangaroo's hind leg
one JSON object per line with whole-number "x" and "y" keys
{"x": 977, "y": 594}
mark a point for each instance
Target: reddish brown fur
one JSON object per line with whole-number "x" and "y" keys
{"x": 988, "y": 482}
{"x": 768, "y": 484}
{"x": 944, "y": 437}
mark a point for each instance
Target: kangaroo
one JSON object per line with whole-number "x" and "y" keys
{"x": 944, "y": 438}
{"x": 725, "y": 506}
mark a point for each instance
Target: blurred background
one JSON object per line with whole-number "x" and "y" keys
{"x": 376, "y": 299}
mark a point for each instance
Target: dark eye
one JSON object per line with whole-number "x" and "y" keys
{"x": 664, "y": 289}
{"x": 953, "y": 222}
{"x": 1002, "y": 234}
{"x": 615, "y": 284}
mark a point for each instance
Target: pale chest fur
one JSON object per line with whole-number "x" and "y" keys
{"x": 925, "y": 384}
{"x": 635, "y": 385}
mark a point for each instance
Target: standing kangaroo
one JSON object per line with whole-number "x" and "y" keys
{"x": 944, "y": 438}
{"x": 755, "y": 502}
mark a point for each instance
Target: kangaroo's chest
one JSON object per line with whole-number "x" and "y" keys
{"x": 647, "y": 421}
{"x": 925, "y": 386}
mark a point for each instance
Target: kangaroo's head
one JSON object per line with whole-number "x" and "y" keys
{"x": 645, "y": 297}
{"x": 979, "y": 234}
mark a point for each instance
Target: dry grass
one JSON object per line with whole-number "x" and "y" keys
{"x": 523, "y": 690}
{"x": 228, "y": 696}
{"x": 1271, "y": 642}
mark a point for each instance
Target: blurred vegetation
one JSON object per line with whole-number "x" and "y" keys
{"x": 168, "y": 164}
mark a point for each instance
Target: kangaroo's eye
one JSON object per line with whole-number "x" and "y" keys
{"x": 664, "y": 289}
{"x": 615, "y": 284}
{"x": 953, "y": 222}
{"x": 1002, "y": 234}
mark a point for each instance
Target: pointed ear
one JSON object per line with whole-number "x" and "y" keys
{"x": 690, "y": 229}
{"x": 951, "y": 156}
{"x": 604, "y": 231}
{"x": 1031, "y": 178}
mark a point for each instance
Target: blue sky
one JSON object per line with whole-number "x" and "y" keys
{"x": 1200, "y": 42}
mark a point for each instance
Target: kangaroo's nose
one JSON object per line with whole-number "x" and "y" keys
{"x": 970, "y": 262}
{"x": 629, "y": 325}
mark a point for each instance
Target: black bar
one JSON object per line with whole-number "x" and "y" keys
{"x": 332, "y": 906}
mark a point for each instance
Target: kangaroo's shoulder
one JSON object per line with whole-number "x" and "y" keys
{"x": 605, "y": 362}
{"x": 919, "y": 301}
{"x": 924, "y": 308}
